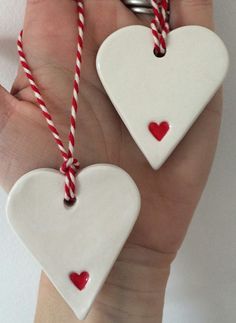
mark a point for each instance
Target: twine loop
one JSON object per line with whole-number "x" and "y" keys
{"x": 70, "y": 165}
{"x": 160, "y": 26}
{"x": 69, "y": 169}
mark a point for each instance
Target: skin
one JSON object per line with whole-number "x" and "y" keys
{"x": 134, "y": 290}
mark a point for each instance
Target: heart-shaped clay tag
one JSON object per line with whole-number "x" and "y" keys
{"x": 175, "y": 88}
{"x": 76, "y": 246}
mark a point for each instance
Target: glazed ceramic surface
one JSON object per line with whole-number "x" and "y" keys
{"x": 76, "y": 246}
{"x": 159, "y": 99}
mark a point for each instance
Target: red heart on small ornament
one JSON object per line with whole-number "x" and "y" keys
{"x": 79, "y": 280}
{"x": 159, "y": 130}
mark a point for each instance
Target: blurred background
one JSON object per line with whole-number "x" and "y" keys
{"x": 202, "y": 286}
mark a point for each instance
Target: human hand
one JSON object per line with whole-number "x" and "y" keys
{"x": 136, "y": 285}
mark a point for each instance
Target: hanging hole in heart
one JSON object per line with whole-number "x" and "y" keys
{"x": 158, "y": 54}
{"x": 69, "y": 203}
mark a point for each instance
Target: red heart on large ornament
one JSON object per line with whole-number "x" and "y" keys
{"x": 159, "y": 130}
{"x": 79, "y": 280}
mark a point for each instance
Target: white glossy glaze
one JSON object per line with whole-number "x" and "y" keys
{"x": 175, "y": 88}
{"x": 85, "y": 237}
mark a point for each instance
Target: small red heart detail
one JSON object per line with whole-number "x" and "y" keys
{"x": 79, "y": 280}
{"x": 159, "y": 130}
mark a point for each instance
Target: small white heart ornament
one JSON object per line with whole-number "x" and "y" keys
{"x": 159, "y": 99}
{"x": 76, "y": 246}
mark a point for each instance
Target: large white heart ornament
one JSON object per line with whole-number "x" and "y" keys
{"x": 77, "y": 245}
{"x": 158, "y": 99}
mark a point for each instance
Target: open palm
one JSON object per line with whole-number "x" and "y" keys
{"x": 170, "y": 195}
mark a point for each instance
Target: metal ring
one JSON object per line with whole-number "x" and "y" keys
{"x": 138, "y": 3}
{"x": 139, "y": 6}
{"x": 142, "y": 10}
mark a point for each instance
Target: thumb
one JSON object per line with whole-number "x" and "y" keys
{"x": 7, "y": 105}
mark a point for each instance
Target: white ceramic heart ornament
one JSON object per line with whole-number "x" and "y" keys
{"x": 159, "y": 99}
{"x": 75, "y": 246}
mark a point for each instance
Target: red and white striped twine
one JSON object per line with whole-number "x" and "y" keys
{"x": 160, "y": 29}
{"x": 160, "y": 25}
{"x": 70, "y": 165}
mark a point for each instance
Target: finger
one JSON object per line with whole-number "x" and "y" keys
{"x": 195, "y": 153}
{"x": 49, "y": 39}
{"x": 7, "y": 104}
{"x": 49, "y": 30}
{"x": 186, "y": 12}
{"x": 49, "y": 16}
{"x": 112, "y": 15}
{"x": 192, "y": 12}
